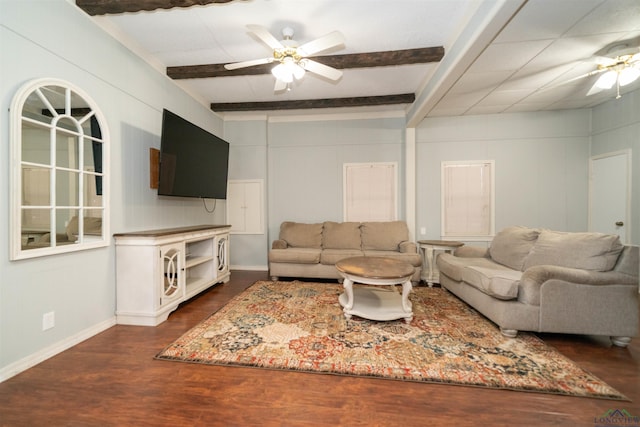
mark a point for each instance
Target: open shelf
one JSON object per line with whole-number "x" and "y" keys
{"x": 193, "y": 261}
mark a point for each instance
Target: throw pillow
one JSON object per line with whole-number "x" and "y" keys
{"x": 587, "y": 251}
{"x": 511, "y": 246}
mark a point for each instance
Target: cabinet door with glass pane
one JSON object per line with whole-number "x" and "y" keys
{"x": 172, "y": 272}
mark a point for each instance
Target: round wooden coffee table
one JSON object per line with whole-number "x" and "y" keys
{"x": 374, "y": 303}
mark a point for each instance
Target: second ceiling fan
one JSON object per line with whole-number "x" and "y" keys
{"x": 293, "y": 59}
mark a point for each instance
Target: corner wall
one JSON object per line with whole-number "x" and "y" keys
{"x": 616, "y": 126}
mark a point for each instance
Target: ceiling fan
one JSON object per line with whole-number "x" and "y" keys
{"x": 620, "y": 67}
{"x": 293, "y": 59}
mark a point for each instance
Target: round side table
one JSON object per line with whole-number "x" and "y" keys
{"x": 430, "y": 250}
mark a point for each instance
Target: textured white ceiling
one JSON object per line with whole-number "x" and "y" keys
{"x": 500, "y": 56}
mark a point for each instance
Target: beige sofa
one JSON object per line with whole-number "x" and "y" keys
{"x": 312, "y": 250}
{"x": 549, "y": 281}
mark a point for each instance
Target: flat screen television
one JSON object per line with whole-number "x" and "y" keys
{"x": 193, "y": 162}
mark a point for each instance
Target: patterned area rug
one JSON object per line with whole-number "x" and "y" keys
{"x": 300, "y": 326}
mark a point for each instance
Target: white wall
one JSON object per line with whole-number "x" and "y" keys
{"x": 248, "y": 160}
{"x": 300, "y": 159}
{"x": 541, "y": 166}
{"x": 55, "y": 39}
{"x": 306, "y": 161}
{"x": 541, "y": 162}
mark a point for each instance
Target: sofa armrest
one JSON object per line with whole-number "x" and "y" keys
{"x": 472, "y": 252}
{"x": 541, "y": 273}
{"x": 560, "y": 277}
{"x": 407, "y": 247}
{"x": 279, "y": 244}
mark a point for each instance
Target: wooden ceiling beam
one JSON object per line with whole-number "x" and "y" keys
{"x": 353, "y": 60}
{"x": 361, "y": 101}
{"x": 104, "y": 7}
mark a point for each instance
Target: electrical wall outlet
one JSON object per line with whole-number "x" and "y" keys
{"x": 423, "y": 230}
{"x": 48, "y": 320}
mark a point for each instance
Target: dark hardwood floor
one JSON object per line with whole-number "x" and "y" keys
{"x": 113, "y": 380}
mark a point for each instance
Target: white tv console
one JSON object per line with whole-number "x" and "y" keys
{"x": 158, "y": 269}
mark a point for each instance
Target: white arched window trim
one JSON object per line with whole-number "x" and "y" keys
{"x": 28, "y": 242}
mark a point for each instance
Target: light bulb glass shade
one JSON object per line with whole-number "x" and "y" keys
{"x": 287, "y": 70}
{"x": 628, "y": 75}
{"x": 298, "y": 71}
{"x": 282, "y": 73}
{"x": 607, "y": 80}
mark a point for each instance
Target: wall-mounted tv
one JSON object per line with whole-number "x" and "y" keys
{"x": 193, "y": 162}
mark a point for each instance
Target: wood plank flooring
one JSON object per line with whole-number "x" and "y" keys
{"x": 113, "y": 380}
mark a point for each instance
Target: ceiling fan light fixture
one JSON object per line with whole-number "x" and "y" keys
{"x": 281, "y": 73}
{"x": 607, "y": 80}
{"x": 287, "y": 70}
{"x": 298, "y": 72}
{"x": 290, "y": 58}
{"x": 628, "y": 75}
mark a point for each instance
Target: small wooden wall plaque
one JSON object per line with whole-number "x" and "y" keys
{"x": 154, "y": 167}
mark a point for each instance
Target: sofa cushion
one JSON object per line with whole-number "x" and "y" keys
{"x": 299, "y": 235}
{"x": 341, "y": 235}
{"x": 587, "y": 251}
{"x": 412, "y": 258}
{"x": 331, "y": 256}
{"x": 511, "y": 246}
{"x": 385, "y": 236}
{"x": 295, "y": 255}
{"x": 498, "y": 282}
{"x": 452, "y": 265}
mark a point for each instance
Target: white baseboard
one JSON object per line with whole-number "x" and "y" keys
{"x": 48, "y": 352}
{"x": 250, "y": 267}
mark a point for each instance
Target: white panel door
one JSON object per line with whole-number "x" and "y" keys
{"x": 609, "y": 193}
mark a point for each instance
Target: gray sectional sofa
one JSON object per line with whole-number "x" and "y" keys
{"x": 312, "y": 250}
{"x": 549, "y": 281}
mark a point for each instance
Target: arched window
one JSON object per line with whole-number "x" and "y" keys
{"x": 59, "y": 171}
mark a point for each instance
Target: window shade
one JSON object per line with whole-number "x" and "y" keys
{"x": 467, "y": 199}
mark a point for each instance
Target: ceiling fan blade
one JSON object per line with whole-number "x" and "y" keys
{"x": 325, "y": 42}
{"x": 265, "y": 36}
{"x": 605, "y": 61}
{"x": 321, "y": 69}
{"x": 279, "y": 86}
{"x": 251, "y": 63}
{"x": 581, "y": 76}
{"x": 594, "y": 89}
